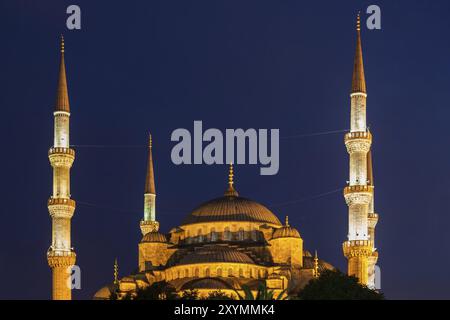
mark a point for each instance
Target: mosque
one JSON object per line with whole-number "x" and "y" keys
{"x": 226, "y": 243}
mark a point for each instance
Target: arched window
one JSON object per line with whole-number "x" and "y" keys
{"x": 213, "y": 234}
{"x": 208, "y": 273}
{"x": 227, "y": 234}
{"x": 261, "y": 274}
{"x": 241, "y": 234}
{"x": 241, "y": 273}
{"x": 219, "y": 272}
{"x": 186, "y": 273}
{"x": 230, "y": 272}
{"x": 199, "y": 235}
{"x": 197, "y": 273}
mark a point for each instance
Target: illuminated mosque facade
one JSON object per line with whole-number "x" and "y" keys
{"x": 226, "y": 243}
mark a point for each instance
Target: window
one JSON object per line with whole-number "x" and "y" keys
{"x": 213, "y": 234}
{"x": 241, "y": 234}
{"x": 219, "y": 272}
{"x": 230, "y": 272}
{"x": 208, "y": 273}
{"x": 227, "y": 234}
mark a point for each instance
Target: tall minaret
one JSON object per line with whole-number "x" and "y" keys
{"x": 149, "y": 223}
{"x": 60, "y": 255}
{"x": 359, "y": 192}
{"x": 372, "y": 222}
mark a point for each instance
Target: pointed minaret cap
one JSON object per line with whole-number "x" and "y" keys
{"x": 62, "y": 96}
{"x": 231, "y": 192}
{"x": 150, "y": 178}
{"x": 286, "y": 222}
{"x": 358, "y": 79}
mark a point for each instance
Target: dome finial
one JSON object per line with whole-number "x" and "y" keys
{"x": 231, "y": 176}
{"x": 116, "y": 272}
{"x": 62, "y": 43}
{"x": 231, "y": 192}
{"x": 287, "y": 221}
{"x": 150, "y": 140}
{"x": 358, "y": 21}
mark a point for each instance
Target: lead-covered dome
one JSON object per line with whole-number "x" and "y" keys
{"x": 154, "y": 236}
{"x": 231, "y": 208}
{"x": 215, "y": 254}
{"x": 286, "y": 231}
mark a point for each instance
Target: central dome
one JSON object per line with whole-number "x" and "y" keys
{"x": 231, "y": 208}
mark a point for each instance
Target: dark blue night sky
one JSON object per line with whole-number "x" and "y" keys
{"x": 140, "y": 66}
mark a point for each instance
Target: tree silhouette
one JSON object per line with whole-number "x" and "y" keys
{"x": 335, "y": 285}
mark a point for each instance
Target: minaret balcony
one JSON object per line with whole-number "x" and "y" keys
{"x": 358, "y": 189}
{"x": 61, "y": 150}
{"x": 366, "y": 135}
{"x": 61, "y": 201}
{"x": 60, "y": 258}
{"x": 357, "y": 248}
{"x": 61, "y": 157}
{"x": 359, "y": 141}
{"x": 358, "y": 194}
{"x": 61, "y": 207}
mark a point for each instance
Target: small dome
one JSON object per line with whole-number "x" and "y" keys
{"x": 286, "y": 232}
{"x": 154, "y": 236}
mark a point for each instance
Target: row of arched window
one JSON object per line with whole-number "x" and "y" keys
{"x": 226, "y": 235}
{"x": 179, "y": 273}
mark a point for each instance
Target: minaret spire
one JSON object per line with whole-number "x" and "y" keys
{"x": 62, "y": 95}
{"x": 61, "y": 256}
{"x": 231, "y": 191}
{"x": 150, "y": 179}
{"x": 358, "y": 79}
{"x": 149, "y": 223}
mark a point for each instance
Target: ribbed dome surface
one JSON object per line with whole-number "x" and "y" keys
{"x": 215, "y": 254}
{"x": 286, "y": 232}
{"x": 231, "y": 208}
{"x": 154, "y": 237}
{"x": 206, "y": 283}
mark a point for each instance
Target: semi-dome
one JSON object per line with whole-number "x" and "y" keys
{"x": 207, "y": 283}
{"x": 286, "y": 231}
{"x": 154, "y": 236}
{"x": 215, "y": 254}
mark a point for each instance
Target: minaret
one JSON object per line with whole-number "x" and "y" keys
{"x": 359, "y": 192}
{"x": 149, "y": 223}
{"x": 372, "y": 222}
{"x": 60, "y": 255}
